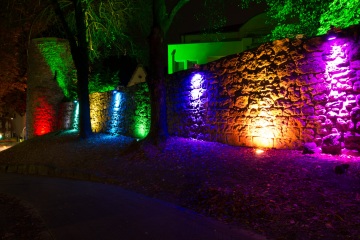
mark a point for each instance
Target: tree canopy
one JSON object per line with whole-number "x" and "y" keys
{"x": 341, "y": 14}
{"x": 309, "y": 17}
{"x": 16, "y": 24}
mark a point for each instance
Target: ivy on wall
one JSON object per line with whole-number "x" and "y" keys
{"x": 57, "y": 56}
{"x": 103, "y": 81}
{"x": 341, "y": 14}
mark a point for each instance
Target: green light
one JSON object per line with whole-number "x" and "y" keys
{"x": 103, "y": 81}
{"x": 340, "y": 14}
{"x": 141, "y": 124}
{"x": 141, "y": 119}
{"x": 58, "y": 57}
{"x": 185, "y": 56}
{"x": 141, "y": 130}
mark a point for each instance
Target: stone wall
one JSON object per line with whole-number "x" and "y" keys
{"x": 43, "y": 92}
{"x": 125, "y": 111}
{"x": 51, "y": 81}
{"x": 280, "y": 95}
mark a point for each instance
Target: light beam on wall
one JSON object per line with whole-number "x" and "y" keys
{"x": 44, "y": 115}
{"x": 142, "y": 125}
{"x": 98, "y": 112}
{"x": 115, "y": 112}
{"x": 76, "y": 116}
{"x": 263, "y": 132}
{"x": 196, "y": 81}
{"x": 196, "y": 84}
{"x": 59, "y": 60}
{"x": 337, "y": 57}
{"x": 141, "y": 130}
{"x": 338, "y": 71}
{"x": 141, "y": 118}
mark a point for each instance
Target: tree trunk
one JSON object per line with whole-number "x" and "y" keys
{"x": 80, "y": 55}
{"x": 82, "y": 67}
{"x": 158, "y": 128}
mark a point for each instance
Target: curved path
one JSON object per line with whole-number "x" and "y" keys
{"x": 87, "y": 210}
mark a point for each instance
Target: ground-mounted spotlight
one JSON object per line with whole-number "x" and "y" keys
{"x": 331, "y": 37}
{"x": 259, "y": 151}
{"x": 333, "y": 33}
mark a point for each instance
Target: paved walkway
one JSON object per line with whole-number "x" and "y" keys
{"x": 88, "y": 210}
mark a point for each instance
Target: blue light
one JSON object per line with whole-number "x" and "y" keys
{"x": 196, "y": 81}
{"x": 115, "y": 113}
{"x": 117, "y": 99}
{"x": 196, "y": 85}
{"x": 76, "y": 116}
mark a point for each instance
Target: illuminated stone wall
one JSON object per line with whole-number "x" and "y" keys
{"x": 282, "y": 95}
{"x": 69, "y": 115}
{"x": 51, "y": 81}
{"x": 125, "y": 112}
{"x": 43, "y": 91}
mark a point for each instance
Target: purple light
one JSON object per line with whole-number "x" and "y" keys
{"x": 195, "y": 94}
{"x": 330, "y": 38}
{"x": 197, "y": 90}
{"x": 196, "y": 81}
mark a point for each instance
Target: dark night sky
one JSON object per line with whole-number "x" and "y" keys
{"x": 185, "y": 21}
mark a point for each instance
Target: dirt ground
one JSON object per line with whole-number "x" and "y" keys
{"x": 282, "y": 194}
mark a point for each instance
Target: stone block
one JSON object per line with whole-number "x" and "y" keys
{"x": 312, "y": 67}
{"x": 246, "y": 141}
{"x": 308, "y": 110}
{"x": 355, "y": 65}
{"x": 331, "y": 144}
{"x": 232, "y": 139}
{"x": 281, "y": 143}
{"x": 352, "y": 140}
{"x": 308, "y": 135}
{"x": 262, "y": 142}
{"x": 242, "y": 101}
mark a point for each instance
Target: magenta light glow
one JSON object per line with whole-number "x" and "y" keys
{"x": 197, "y": 91}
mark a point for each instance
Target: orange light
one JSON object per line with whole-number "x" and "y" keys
{"x": 259, "y": 151}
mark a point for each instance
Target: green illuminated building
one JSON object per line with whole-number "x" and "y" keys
{"x": 196, "y": 48}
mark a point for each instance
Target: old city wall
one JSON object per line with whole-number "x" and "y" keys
{"x": 43, "y": 92}
{"x": 125, "y": 111}
{"x": 281, "y": 95}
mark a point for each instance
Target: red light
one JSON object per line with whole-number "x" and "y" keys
{"x": 44, "y": 117}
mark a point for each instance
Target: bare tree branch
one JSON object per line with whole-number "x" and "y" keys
{"x": 173, "y": 13}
